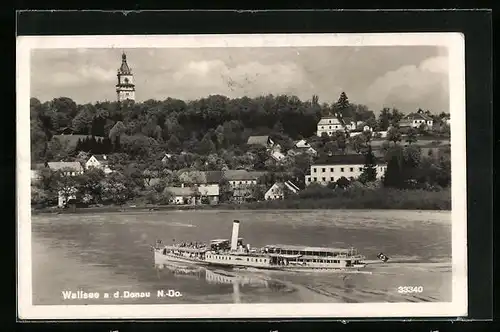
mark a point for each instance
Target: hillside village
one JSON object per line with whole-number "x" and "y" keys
{"x": 219, "y": 150}
{"x": 266, "y": 167}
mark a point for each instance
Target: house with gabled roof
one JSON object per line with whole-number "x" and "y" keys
{"x": 302, "y": 146}
{"x": 280, "y": 190}
{"x": 416, "y": 120}
{"x": 67, "y": 168}
{"x": 329, "y": 125}
{"x": 100, "y": 161}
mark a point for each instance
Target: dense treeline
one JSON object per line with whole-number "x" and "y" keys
{"x": 211, "y": 134}
{"x": 215, "y": 122}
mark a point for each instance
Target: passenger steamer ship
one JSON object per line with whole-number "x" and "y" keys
{"x": 235, "y": 254}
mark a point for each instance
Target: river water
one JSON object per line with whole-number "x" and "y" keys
{"x": 110, "y": 253}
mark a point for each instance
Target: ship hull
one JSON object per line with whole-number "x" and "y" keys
{"x": 161, "y": 258}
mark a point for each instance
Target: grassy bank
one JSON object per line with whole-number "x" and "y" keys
{"x": 381, "y": 198}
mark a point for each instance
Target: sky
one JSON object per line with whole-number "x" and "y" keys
{"x": 404, "y": 77}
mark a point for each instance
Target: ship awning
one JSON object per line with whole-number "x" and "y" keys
{"x": 309, "y": 249}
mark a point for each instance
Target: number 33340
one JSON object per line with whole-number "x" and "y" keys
{"x": 410, "y": 289}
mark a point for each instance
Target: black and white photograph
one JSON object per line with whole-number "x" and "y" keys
{"x": 241, "y": 176}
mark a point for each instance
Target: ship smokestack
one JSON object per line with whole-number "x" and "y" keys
{"x": 234, "y": 238}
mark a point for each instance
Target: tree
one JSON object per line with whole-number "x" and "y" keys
{"x": 82, "y": 123}
{"x": 384, "y": 119}
{"x": 393, "y": 176}
{"x": 173, "y": 144}
{"x": 394, "y": 135}
{"x": 357, "y": 142}
{"x": 343, "y": 182}
{"x": 90, "y": 184}
{"x": 411, "y": 136}
{"x": 341, "y": 140}
{"x": 116, "y": 189}
{"x": 342, "y": 105}
{"x": 67, "y": 186}
{"x": 206, "y": 146}
{"x": 117, "y": 130}
{"x": 396, "y": 116}
{"x": 369, "y": 173}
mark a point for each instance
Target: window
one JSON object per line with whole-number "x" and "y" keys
{"x": 323, "y": 169}
{"x": 308, "y": 179}
{"x": 361, "y": 169}
{"x": 330, "y": 127}
{"x": 341, "y": 169}
{"x": 352, "y": 169}
{"x": 315, "y": 179}
{"x": 330, "y": 121}
{"x": 323, "y": 179}
{"x": 331, "y": 169}
{"x": 332, "y": 179}
{"x": 314, "y": 170}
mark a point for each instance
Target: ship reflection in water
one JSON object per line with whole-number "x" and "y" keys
{"x": 239, "y": 279}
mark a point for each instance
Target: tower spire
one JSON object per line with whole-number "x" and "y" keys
{"x": 125, "y": 88}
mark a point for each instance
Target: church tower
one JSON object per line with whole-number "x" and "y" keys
{"x": 125, "y": 89}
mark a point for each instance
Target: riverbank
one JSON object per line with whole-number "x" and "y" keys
{"x": 386, "y": 199}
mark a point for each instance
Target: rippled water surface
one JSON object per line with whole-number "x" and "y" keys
{"x": 110, "y": 252}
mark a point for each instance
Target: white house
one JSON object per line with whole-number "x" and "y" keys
{"x": 277, "y": 155}
{"x": 166, "y": 157}
{"x": 329, "y": 125}
{"x": 181, "y": 195}
{"x": 302, "y": 144}
{"x": 332, "y": 168}
{"x": 415, "y": 120}
{"x": 241, "y": 178}
{"x": 302, "y": 147}
{"x": 99, "y": 161}
{"x": 279, "y": 189}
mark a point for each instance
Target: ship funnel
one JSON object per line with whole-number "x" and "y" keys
{"x": 234, "y": 237}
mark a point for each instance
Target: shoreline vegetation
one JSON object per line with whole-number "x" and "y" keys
{"x": 377, "y": 199}
{"x": 168, "y": 154}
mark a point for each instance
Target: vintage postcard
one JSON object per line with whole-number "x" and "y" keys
{"x": 241, "y": 176}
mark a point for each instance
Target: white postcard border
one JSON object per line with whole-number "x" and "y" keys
{"x": 458, "y": 307}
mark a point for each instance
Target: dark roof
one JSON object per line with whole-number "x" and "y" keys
{"x": 347, "y": 159}
{"x": 241, "y": 174}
